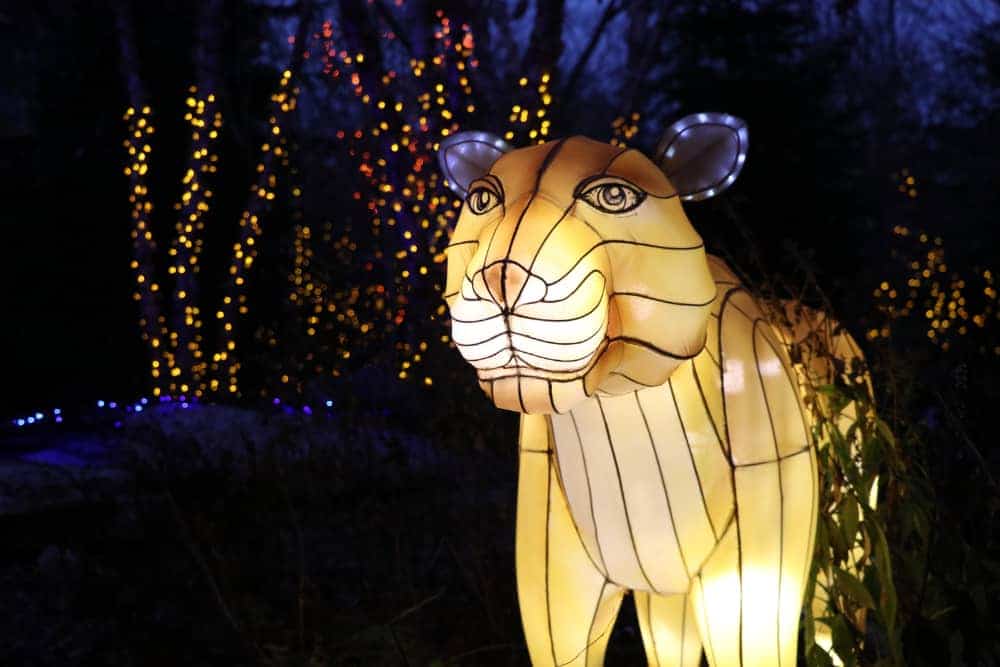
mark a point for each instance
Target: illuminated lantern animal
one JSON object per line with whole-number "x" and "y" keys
{"x": 664, "y": 448}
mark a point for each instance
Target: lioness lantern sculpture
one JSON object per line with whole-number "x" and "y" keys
{"x": 664, "y": 449}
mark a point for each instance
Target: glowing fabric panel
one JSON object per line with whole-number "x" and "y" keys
{"x": 664, "y": 449}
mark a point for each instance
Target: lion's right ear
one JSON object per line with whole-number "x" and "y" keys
{"x": 702, "y": 154}
{"x": 466, "y": 156}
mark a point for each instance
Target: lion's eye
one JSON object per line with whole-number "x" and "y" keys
{"x": 482, "y": 200}
{"x": 613, "y": 197}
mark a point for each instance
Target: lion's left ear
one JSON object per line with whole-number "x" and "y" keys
{"x": 702, "y": 154}
{"x": 466, "y": 156}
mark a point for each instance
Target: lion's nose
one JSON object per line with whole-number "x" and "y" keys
{"x": 505, "y": 281}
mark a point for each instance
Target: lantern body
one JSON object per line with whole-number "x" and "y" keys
{"x": 664, "y": 449}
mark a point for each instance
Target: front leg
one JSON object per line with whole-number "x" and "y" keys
{"x": 748, "y": 595}
{"x": 568, "y": 606}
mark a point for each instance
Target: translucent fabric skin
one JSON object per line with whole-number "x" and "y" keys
{"x": 664, "y": 449}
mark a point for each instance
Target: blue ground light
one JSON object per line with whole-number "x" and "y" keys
{"x": 35, "y": 438}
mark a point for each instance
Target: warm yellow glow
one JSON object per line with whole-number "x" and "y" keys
{"x": 664, "y": 447}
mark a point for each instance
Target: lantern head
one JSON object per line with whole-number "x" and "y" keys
{"x": 573, "y": 268}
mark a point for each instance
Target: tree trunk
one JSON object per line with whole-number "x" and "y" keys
{"x": 205, "y": 120}
{"x": 546, "y": 44}
{"x": 140, "y": 127}
{"x": 225, "y": 364}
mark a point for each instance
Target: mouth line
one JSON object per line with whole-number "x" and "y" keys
{"x": 517, "y": 361}
{"x": 517, "y": 369}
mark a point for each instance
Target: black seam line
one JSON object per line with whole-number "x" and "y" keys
{"x": 597, "y": 304}
{"x": 576, "y": 289}
{"x": 508, "y": 332}
{"x": 558, "y": 222}
{"x": 708, "y": 627}
{"x": 594, "y": 336}
{"x": 652, "y": 630}
{"x": 548, "y": 538}
{"x": 649, "y": 346}
{"x": 634, "y": 381}
{"x": 708, "y": 410}
{"x": 732, "y": 166}
{"x": 492, "y": 354}
{"x": 520, "y": 396}
{"x": 533, "y": 451}
{"x": 797, "y": 452}
{"x": 732, "y": 476}
{"x": 552, "y": 400}
{"x": 591, "y": 336}
{"x": 590, "y": 628}
{"x": 715, "y": 547}
{"x": 509, "y": 313}
{"x": 814, "y": 498}
{"x": 479, "y": 321}
{"x": 663, "y": 484}
{"x": 455, "y": 244}
{"x": 666, "y": 301}
{"x": 621, "y": 490}
{"x": 781, "y": 491}
{"x": 590, "y": 499}
{"x": 694, "y": 466}
{"x": 629, "y": 242}
{"x": 497, "y": 262}
{"x": 600, "y": 635}
{"x": 597, "y": 355}
{"x": 475, "y": 296}
{"x": 683, "y": 624}
{"x": 450, "y": 294}
{"x": 747, "y": 315}
{"x": 562, "y": 216}
{"x": 603, "y": 242}
{"x": 546, "y": 162}
{"x": 684, "y": 619}
{"x": 794, "y": 385}
{"x": 714, "y": 361}
{"x": 576, "y": 528}
{"x": 722, "y": 381}
{"x": 777, "y": 354}
{"x": 520, "y": 354}
{"x": 489, "y": 247}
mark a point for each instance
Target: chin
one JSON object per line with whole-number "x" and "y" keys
{"x": 531, "y": 390}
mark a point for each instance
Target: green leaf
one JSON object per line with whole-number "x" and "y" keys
{"x": 843, "y": 640}
{"x": 883, "y": 565}
{"x": 852, "y": 587}
{"x": 817, "y": 657}
{"x": 849, "y": 519}
{"x": 885, "y": 432}
{"x": 837, "y": 544}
